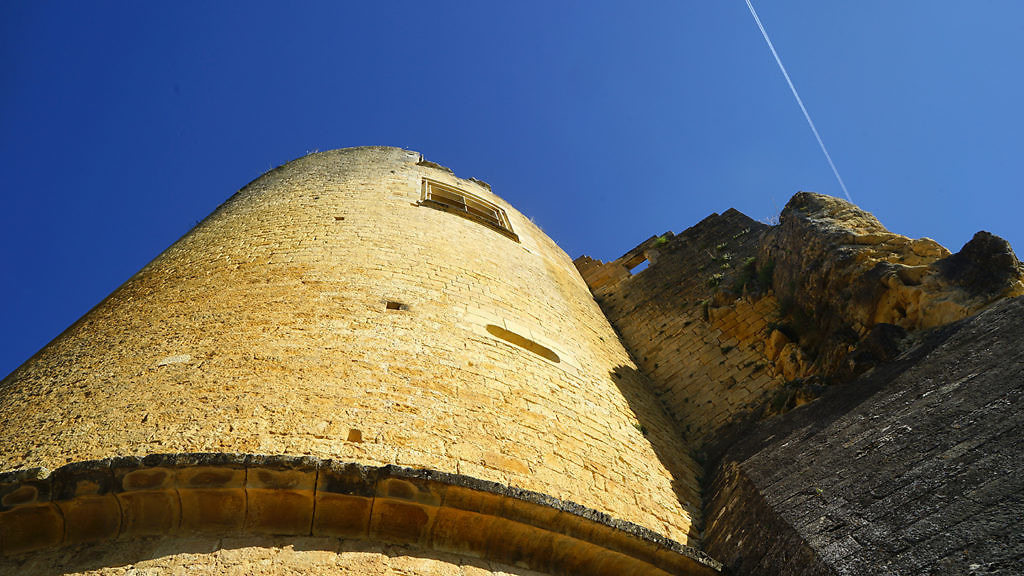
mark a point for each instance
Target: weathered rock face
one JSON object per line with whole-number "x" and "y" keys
{"x": 986, "y": 267}
{"x": 912, "y": 468}
{"x": 839, "y": 275}
{"x": 733, "y": 317}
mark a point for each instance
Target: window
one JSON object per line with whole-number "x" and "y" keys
{"x": 464, "y": 204}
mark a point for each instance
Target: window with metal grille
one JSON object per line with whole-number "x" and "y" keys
{"x": 451, "y": 199}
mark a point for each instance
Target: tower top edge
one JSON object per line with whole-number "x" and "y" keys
{"x": 410, "y": 155}
{"x": 387, "y": 154}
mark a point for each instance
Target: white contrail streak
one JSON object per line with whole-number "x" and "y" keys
{"x": 798, "y": 100}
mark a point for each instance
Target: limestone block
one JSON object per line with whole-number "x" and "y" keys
{"x": 404, "y": 509}
{"x": 462, "y": 532}
{"x": 30, "y": 527}
{"x": 279, "y": 501}
{"x": 344, "y": 497}
{"x": 212, "y": 498}
{"x": 773, "y": 348}
{"x": 85, "y": 498}
{"x": 148, "y": 500}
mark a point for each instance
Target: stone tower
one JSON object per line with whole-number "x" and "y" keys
{"x": 359, "y": 363}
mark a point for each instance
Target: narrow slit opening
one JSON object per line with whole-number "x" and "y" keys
{"x": 523, "y": 342}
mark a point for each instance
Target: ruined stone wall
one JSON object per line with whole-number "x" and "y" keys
{"x": 906, "y": 457}
{"x": 324, "y": 310}
{"x": 696, "y": 320}
{"x": 840, "y": 274}
{"x": 735, "y": 320}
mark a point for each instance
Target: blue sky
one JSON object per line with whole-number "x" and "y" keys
{"x": 122, "y": 124}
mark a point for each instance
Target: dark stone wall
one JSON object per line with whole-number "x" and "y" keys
{"x": 916, "y": 467}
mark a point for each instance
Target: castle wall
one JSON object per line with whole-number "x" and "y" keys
{"x": 100, "y": 510}
{"x": 908, "y": 462}
{"x": 692, "y": 323}
{"x": 266, "y": 556}
{"x": 913, "y": 468}
{"x": 325, "y": 311}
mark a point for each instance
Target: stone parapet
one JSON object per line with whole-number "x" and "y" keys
{"x": 695, "y": 320}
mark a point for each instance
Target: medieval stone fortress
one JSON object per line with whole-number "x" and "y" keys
{"x": 363, "y": 364}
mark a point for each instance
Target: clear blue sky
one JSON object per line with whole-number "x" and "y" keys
{"x": 122, "y": 124}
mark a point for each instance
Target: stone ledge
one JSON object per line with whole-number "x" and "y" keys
{"x": 215, "y": 493}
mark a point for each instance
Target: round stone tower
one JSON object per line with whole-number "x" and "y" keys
{"x": 358, "y": 362}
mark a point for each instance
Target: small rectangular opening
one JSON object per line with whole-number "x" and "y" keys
{"x": 392, "y": 305}
{"x": 640, "y": 267}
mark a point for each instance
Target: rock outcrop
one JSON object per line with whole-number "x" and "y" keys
{"x": 842, "y": 279}
{"x": 736, "y": 321}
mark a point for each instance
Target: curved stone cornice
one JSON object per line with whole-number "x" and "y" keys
{"x": 213, "y": 493}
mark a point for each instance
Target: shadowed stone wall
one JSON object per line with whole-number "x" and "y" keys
{"x": 914, "y": 468}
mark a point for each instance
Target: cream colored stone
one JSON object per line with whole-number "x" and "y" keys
{"x": 267, "y": 329}
{"x": 270, "y": 557}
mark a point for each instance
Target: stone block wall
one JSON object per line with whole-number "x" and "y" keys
{"x": 696, "y": 321}
{"x": 913, "y": 468}
{"x": 103, "y": 507}
{"x": 731, "y": 310}
{"x": 908, "y": 461}
{"x": 326, "y": 310}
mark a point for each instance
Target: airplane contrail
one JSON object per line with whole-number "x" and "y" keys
{"x": 798, "y": 100}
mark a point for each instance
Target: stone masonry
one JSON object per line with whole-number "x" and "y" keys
{"x": 689, "y": 323}
{"x": 327, "y": 310}
{"x": 855, "y": 412}
{"x": 363, "y": 364}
